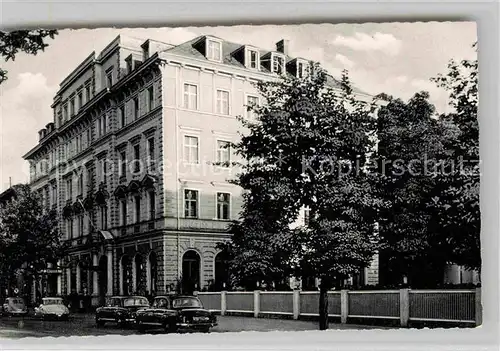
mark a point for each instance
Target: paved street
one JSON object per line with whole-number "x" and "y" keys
{"x": 83, "y": 324}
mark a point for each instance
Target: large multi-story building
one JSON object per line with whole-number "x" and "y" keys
{"x": 128, "y": 161}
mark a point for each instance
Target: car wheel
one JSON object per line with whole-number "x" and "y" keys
{"x": 140, "y": 327}
{"x": 120, "y": 322}
{"x": 170, "y": 327}
{"x": 99, "y": 322}
{"x": 205, "y": 330}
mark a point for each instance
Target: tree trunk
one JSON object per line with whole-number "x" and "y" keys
{"x": 323, "y": 304}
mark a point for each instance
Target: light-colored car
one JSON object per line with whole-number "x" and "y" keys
{"x": 14, "y": 306}
{"x": 52, "y": 307}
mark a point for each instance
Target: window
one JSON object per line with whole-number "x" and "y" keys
{"x": 80, "y": 225}
{"x": 137, "y": 165}
{"x": 300, "y": 70}
{"x": 65, "y": 112}
{"x": 151, "y": 97}
{"x": 307, "y": 214}
{"x": 223, "y": 102}
{"x": 253, "y": 59}
{"x": 103, "y": 124}
{"x": 129, "y": 64}
{"x": 109, "y": 79}
{"x": 80, "y": 184}
{"x": 80, "y": 100}
{"x": 152, "y": 205}
{"x": 191, "y": 203}
{"x": 223, "y": 205}
{"x": 136, "y": 107}
{"x": 122, "y": 116}
{"x": 278, "y": 64}
{"x": 99, "y": 127}
{"x": 123, "y": 212}
{"x": 191, "y": 151}
{"x": 104, "y": 217}
{"x": 89, "y": 178}
{"x": 69, "y": 228}
{"x": 72, "y": 107}
{"x": 88, "y": 92}
{"x": 190, "y": 96}
{"x": 89, "y": 137}
{"x": 103, "y": 170}
{"x": 69, "y": 189}
{"x": 252, "y": 101}
{"x": 151, "y": 152}
{"x": 54, "y": 194}
{"x": 214, "y": 51}
{"x": 137, "y": 201}
{"x": 46, "y": 197}
{"x": 123, "y": 164}
{"x": 223, "y": 153}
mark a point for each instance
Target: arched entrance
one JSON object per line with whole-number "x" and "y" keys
{"x": 152, "y": 272}
{"x": 221, "y": 271}
{"x": 138, "y": 275}
{"x": 190, "y": 271}
{"x": 126, "y": 275}
{"x": 102, "y": 279}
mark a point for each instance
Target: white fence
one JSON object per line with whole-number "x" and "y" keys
{"x": 405, "y": 305}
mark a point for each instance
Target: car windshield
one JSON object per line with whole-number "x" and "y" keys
{"x": 115, "y": 302}
{"x": 189, "y": 302}
{"x": 160, "y": 303}
{"x": 135, "y": 301}
{"x": 52, "y": 301}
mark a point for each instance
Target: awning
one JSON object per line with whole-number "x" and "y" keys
{"x": 106, "y": 235}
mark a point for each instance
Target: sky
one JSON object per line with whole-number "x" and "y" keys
{"x": 396, "y": 58}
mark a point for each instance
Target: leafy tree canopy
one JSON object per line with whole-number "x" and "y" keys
{"x": 27, "y": 41}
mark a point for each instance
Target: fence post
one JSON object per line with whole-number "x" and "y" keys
{"x": 256, "y": 303}
{"x": 404, "y": 306}
{"x": 223, "y": 304}
{"x": 479, "y": 308}
{"x": 344, "y": 305}
{"x": 296, "y": 304}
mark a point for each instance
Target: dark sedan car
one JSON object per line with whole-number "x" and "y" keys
{"x": 176, "y": 313}
{"x": 120, "y": 310}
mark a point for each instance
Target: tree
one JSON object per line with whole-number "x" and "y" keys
{"x": 412, "y": 146}
{"x": 307, "y": 147}
{"x": 29, "y": 235}
{"x": 27, "y": 41}
{"x": 457, "y": 204}
{"x": 429, "y": 179}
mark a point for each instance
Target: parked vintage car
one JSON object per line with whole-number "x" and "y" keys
{"x": 52, "y": 307}
{"x": 14, "y": 306}
{"x": 120, "y": 310}
{"x": 176, "y": 313}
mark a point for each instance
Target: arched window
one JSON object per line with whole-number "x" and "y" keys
{"x": 191, "y": 262}
{"x": 138, "y": 275}
{"x": 126, "y": 275}
{"x": 152, "y": 273}
{"x": 102, "y": 279}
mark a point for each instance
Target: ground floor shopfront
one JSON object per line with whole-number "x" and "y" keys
{"x": 150, "y": 264}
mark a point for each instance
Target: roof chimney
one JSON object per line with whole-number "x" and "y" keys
{"x": 282, "y": 46}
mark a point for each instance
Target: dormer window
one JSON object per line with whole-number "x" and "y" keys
{"x": 278, "y": 63}
{"x": 252, "y": 58}
{"x": 128, "y": 61}
{"x": 109, "y": 79}
{"x": 301, "y": 69}
{"x": 214, "y": 50}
